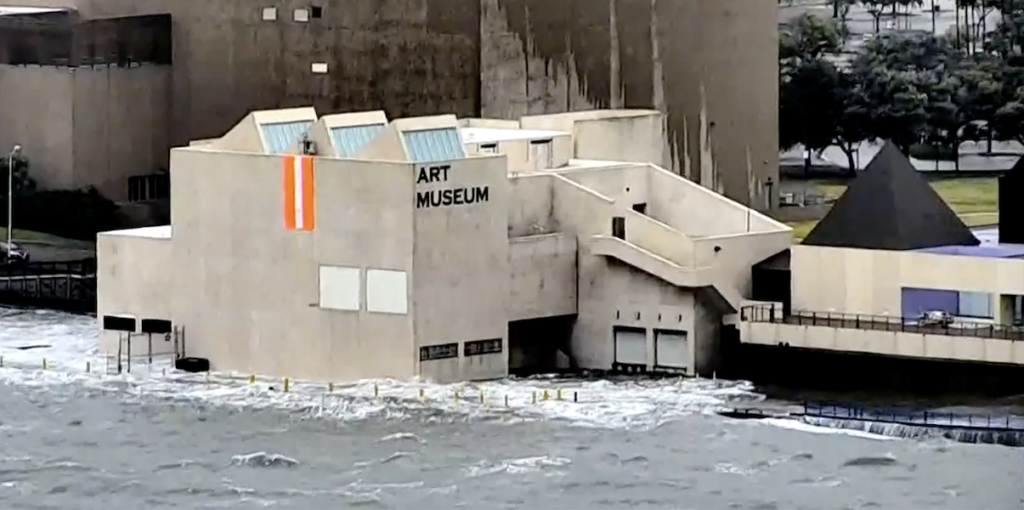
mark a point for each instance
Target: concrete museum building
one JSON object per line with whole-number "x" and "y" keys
{"x": 352, "y": 246}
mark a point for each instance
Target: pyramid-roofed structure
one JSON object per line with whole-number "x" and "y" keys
{"x": 890, "y": 206}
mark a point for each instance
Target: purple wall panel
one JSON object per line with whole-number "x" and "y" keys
{"x": 918, "y": 301}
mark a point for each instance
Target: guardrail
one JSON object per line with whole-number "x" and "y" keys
{"x": 69, "y": 286}
{"x": 977, "y": 329}
{"x": 1008, "y": 422}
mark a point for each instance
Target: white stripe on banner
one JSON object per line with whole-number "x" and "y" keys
{"x": 299, "y": 186}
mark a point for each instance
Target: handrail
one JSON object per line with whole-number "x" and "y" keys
{"x": 1008, "y": 422}
{"x": 963, "y": 327}
{"x": 82, "y": 267}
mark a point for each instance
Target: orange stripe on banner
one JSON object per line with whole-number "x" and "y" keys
{"x": 289, "y": 192}
{"x": 308, "y": 194}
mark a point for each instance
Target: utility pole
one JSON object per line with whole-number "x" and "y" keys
{"x": 10, "y": 200}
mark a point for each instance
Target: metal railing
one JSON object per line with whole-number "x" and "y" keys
{"x": 978, "y": 329}
{"x": 69, "y": 285}
{"x": 1008, "y": 422}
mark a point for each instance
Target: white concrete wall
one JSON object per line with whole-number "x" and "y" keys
{"x": 135, "y": 277}
{"x": 870, "y": 282}
{"x": 542, "y": 276}
{"x": 248, "y": 290}
{"x": 460, "y": 282}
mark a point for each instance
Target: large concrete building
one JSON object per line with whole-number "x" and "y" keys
{"x": 350, "y": 246}
{"x": 710, "y": 65}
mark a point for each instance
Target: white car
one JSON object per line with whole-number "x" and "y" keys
{"x": 935, "y": 318}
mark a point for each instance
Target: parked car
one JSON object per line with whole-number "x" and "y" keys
{"x": 936, "y": 318}
{"x": 13, "y": 254}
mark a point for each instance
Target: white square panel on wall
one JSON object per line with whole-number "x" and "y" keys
{"x": 339, "y": 288}
{"x": 387, "y": 291}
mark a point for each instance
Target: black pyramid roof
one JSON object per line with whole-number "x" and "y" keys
{"x": 890, "y": 206}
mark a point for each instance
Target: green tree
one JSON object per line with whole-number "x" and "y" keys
{"x": 806, "y": 80}
{"x": 807, "y": 38}
{"x": 853, "y": 125}
{"x": 22, "y": 182}
{"x": 808, "y": 106}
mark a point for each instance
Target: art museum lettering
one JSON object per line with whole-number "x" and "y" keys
{"x": 446, "y": 197}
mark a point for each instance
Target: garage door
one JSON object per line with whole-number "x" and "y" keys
{"x": 630, "y": 346}
{"x": 672, "y": 349}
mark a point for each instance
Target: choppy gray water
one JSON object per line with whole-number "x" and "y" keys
{"x": 75, "y": 443}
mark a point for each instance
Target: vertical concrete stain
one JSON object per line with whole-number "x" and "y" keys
{"x": 501, "y": 58}
{"x": 661, "y": 54}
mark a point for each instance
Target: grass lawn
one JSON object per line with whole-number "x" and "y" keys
{"x": 975, "y": 199}
{"x": 31, "y": 236}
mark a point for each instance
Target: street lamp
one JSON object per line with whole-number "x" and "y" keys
{"x": 10, "y": 198}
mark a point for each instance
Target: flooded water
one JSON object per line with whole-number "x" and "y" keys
{"x": 72, "y": 439}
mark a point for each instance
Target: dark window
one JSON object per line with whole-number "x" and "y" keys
{"x": 640, "y": 208}
{"x": 619, "y": 227}
{"x": 149, "y": 187}
{"x": 436, "y": 352}
{"x": 316, "y": 12}
{"x": 479, "y": 347}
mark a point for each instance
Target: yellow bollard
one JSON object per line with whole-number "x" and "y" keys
{"x": 376, "y": 391}
{"x": 558, "y": 396}
{"x": 546, "y": 396}
{"x": 423, "y": 394}
{"x": 252, "y": 379}
{"x": 533, "y": 397}
{"x": 287, "y": 384}
{"x": 44, "y": 363}
{"x": 456, "y": 395}
{"x": 330, "y": 387}
{"x": 88, "y": 367}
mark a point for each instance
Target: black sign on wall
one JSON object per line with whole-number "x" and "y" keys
{"x": 156, "y": 326}
{"x": 118, "y": 323}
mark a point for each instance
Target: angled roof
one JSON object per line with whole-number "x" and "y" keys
{"x": 890, "y": 206}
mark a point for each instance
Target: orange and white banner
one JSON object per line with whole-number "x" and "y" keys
{"x": 299, "y": 193}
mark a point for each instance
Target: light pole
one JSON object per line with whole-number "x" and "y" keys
{"x": 10, "y": 199}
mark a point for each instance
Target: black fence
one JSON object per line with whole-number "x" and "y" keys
{"x": 61, "y": 39}
{"x": 1004, "y": 422}
{"x": 68, "y": 286}
{"x": 768, "y": 313}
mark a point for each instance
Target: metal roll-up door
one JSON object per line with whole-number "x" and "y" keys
{"x": 672, "y": 350}
{"x": 630, "y": 346}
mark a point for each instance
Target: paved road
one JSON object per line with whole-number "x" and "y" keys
{"x": 972, "y": 158}
{"x": 861, "y": 22}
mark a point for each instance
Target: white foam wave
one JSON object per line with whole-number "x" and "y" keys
{"x": 815, "y": 429}
{"x": 72, "y": 344}
{"x": 516, "y": 466}
{"x": 263, "y": 459}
